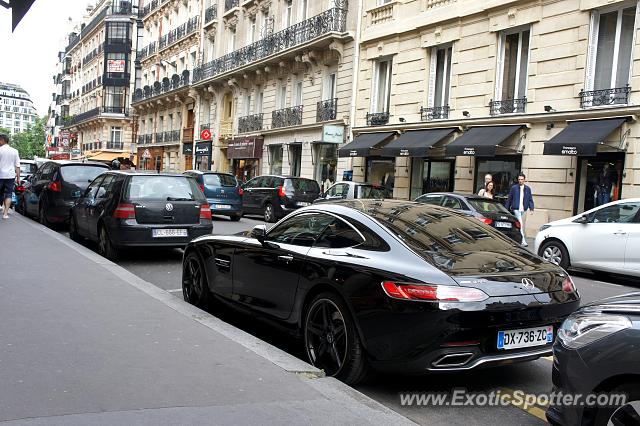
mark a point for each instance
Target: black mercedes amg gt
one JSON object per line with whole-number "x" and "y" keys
{"x": 393, "y": 285}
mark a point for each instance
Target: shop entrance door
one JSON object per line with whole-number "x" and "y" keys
{"x": 598, "y": 180}
{"x": 431, "y": 176}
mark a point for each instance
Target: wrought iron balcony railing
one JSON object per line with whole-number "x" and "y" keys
{"x": 95, "y": 112}
{"x": 210, "y": 14}
{"x": 508, "y": 106}
{"x": 327, "y": 110}
{"x": 604, "y": 97}
{"x": 435, "y": 113}
{"x": 159, "y": 137}
{"x": 141, "y": 139}
{"x": 250, "y": 123}
{"x": 171, "y": 136}
{"x": 115, "y": 110}
{"x": 147, "y": 51}
{"x": 167, "y": 85}
{"x": 178, "y": 33}
{"x": 332, "y": 20}
{"x": 145, "y": 139}
{"x": 377, "y": 118}
{"x": 93, "y": 54}
{"x": 115, "y": 145}
{"x": 153, "y": 5}
{"x": 230, "y": 4}
{"x": 286, "y": 117}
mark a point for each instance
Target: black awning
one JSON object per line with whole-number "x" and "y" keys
{"x": 582, "y": 137}
{"x": 481, "y": 141}
{"x": 416, "y": 143}
{"x": 362, "y": 145}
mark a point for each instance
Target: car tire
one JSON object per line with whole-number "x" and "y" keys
{"x": 20, "y": 207}
{"x": 236, "y": 217}
{"x": 555, "y": 252}
{"x": 268, "y": 213}
{"x": 42, "y": 217}
{"x": 331, "y": 340}
{"x": 195, "y": 289}
{"x": 73, "y": 230}
{"x": 105, "y": 246}
{"x": 621, "y": 415}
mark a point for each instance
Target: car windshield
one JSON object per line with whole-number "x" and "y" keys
{"x": 220, "y": 180}
{"x": 487, "y": 206}
{"x": 81, "y": 173}
{"x": 305, "y": 185}
{"x": 370, "y": 191}
{"x": 163, "y": 188}
{"x": 27, "y": 168}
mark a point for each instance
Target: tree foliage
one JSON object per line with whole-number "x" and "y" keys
{"x": 31, "y": 142}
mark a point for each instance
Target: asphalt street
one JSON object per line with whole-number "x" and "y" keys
{"x": 163, "y": 268}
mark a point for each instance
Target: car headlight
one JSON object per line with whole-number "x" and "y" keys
{"x": 543, "y": 227}
{"x": 581, "y": 329}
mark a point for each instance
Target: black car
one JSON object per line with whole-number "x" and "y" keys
{"x": 598, "y": 352}
{"x": 27, "y": 168}
{"x": 133, "y": 209}
{"x": 276, "y": 196}
{"x": 55, "y": 187}
{"x": 395, "y": 285}
{"x": 487, "y": 210}
{"x": 223, "y": 192}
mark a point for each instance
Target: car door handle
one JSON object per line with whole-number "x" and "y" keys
{"x": 286, "y": 259}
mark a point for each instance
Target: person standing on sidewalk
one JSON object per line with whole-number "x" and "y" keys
{"x": 9, "y": 172}
{"x": 519, "y": 202}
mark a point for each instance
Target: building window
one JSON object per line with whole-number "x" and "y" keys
{"x": 381, "y": 87}
{"x": 231, "y": 46}
{"x": 115, "y": 100}
{"x": 298, "y": 93}
{"x": 251, "y": 31}
{"x": 258, "y": 104}
{"x": 117, "y": 33}
{"x": 512, "y": 69}
{"x": 116, "y": 66}
{"x": 610, "y": 48}
{"x": 247, "y": 104}
{"x": 440, "y": 77}
{"x": 116, "y": 134}
{"x": 275, "y": 159}
{"x": 286, "y": 19}
{"x": 326, "y": 164}
{"x": 282, "y": 96}
{"x": 331, "y": 86}
{"x": 304, "y": 6}
{"x": 504, "y": 172}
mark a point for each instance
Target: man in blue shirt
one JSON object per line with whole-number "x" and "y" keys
{"x": 519, "y": 202}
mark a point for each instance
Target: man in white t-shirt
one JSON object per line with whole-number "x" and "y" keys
{"x": 9, "y": 172}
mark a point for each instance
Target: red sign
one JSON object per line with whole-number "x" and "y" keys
{"x": 205, "y": 135}
{"x": 63, "y": 156}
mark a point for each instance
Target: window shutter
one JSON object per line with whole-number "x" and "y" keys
{"x": 591, "y": 52}
{"x": 433, "y": 62}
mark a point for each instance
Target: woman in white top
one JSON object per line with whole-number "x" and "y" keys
{"x": 487, "y": 191}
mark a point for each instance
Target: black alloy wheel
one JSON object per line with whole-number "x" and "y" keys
{"x": 555, "y": 252}
{"x": 626, "y": 414}
{"x": 42, "y": 216}
{"x": 331, "y": 340}
{"x": 194, "y": 286}
{"x": 73, "y": 230}
{"x": 105, "y": 246}
{"x": 269, "y": 215}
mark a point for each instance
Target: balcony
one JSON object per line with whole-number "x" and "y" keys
{"x": 435, "y": 113}
{"x": 159, "y": 137}
{"x": 332, "y": 20}
{"x": 95, "y": 112}
{"x": 171, "y": 136}
{"x": 286, "y": 117}
{"x": 93, "y": 54}
{"x": 250, "y": 123}
{"x": 150, "y": 7}
{"x": 178, "y": 33}
{"x": 115, "y": 110}
{"x": 327, "y": 110}
{"x": 145, "y": 139}
{"x": 377, "y": 118}
{"x": 147, "y": 51}
{"x": 507, "y": 106}
{"x": 158, "y": 89}
{"x": 115, "y": 145}
{"x": 230, "y": 4}
{"x": 382, "y": 14}
{"x": 604, "y": 97}
{"x": 210, "y": 14}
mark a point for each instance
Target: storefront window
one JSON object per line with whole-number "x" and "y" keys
{"x": 382, "y": 171}
{"x": 295, "y": 159}
{"x": 504, "y": 171}
{"x": 431, "y": 176}
{"x": 599, "y": 181}
{"x": 275, "y": 159}
{"x": 326, "y": 164}
{"x": 245, "y": 170}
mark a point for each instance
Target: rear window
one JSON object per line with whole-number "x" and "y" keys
{"x": 306, "y": 185}
{"x": 220, "y": 180}
{"x": 370, "y": 191}
{"x": 487, "y": 206}
{"x": 163, "y": 188}
{"x": 81, "y": 173}
{"x": 27, "y": 168}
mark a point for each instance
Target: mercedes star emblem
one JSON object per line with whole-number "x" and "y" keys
{"x": 528, "y": 284}
{"x": 169, "y": 207}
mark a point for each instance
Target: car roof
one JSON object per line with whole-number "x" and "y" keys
{"x": 28, "y": 161}
{"x": 285, "y": 177}
{"x": 146, "y": 173}
{"x": 208, "y": 172}
{"x": 76, "y": 163}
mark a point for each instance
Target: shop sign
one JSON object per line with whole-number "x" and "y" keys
{"x": 353, "y": 153}
{"x": 404, "y": 153}
{"x": 205, "y": 135}
{"x": 569, "y": 150}
{"x": 146, "y": 154}
{"x": 469, "y": 150}
{"x": 332, "y": 133}
{"x": 75, "y": 151}
{"x": 115, "y": 65}
{"x": 61, "y": 156}
{"x": 245, "y": 148}
{"x": 203, "y": 149}
{"x": 187, "y": 149}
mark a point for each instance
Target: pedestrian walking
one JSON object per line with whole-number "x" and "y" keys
{"x": 9, "y": 172}
{"x": 487, "y": 191}
{"x": 520, "y": 201}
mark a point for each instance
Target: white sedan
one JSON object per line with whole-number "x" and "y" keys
{"x": 606, "y": 238}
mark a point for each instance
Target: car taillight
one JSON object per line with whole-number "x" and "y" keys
{"x": 240, "y": 192}
{"x": 485, "y": 220}
{"x": 125, "y": 211}
{"x": 568, "y": 286}
{"x": 281, "y": 192}
{"x": 518, "y": 224}
{"x": 205, "y": 211}
{"x": 435, "y": 293}
{"x": 55, "y": 186}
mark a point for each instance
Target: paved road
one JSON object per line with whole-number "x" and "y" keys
{"x": 163, "y": 268}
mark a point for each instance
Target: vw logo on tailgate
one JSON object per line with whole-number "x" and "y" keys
{"x": 528, "y": 284}
{"x": 169, "y": 207}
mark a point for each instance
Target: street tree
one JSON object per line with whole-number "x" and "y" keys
{"x": 30, "y": 143}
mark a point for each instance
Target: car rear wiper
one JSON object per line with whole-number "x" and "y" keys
{"x": 179, "y": 199}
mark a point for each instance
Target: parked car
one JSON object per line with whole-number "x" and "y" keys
{"x": 397, "y": 286}
{"x": 276, "y": 196}
{"x": 55, "y": 187}
{"x": 487, "y": 210}
{"x": 17, "y": 199}
{"x": 27, "y": 168}
{"x": 136, "y": 209}
{"x": 597, "y": 351}
{"x": 606, "y": 238}
{"x": 351, "y": 191}
{"x": 222, "y": 190}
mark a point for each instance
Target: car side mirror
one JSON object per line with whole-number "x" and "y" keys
{"x": 582, "y": 219}
{"x": 259, "y": 232}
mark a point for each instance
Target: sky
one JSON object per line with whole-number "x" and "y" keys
{"x": 28, "y": 56}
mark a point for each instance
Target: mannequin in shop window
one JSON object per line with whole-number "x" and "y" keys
{"x": 604, "y": 185}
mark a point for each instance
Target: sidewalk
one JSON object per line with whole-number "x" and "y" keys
{"x": 85, "y": 342}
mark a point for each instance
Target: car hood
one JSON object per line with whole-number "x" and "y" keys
{"x": 626, "y": 303}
